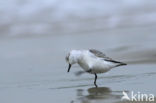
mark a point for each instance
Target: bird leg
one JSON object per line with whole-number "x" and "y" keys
{"x": 95, "y": 80}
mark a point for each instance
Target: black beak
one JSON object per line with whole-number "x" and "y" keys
{"x": 69, "y": 67}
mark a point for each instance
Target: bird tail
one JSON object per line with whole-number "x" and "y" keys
{"x": 121, "y": 64}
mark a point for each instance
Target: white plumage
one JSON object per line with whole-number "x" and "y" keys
{"x": 92, "y": 61}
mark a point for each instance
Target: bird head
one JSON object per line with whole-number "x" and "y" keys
{"x": 72, "y": 58}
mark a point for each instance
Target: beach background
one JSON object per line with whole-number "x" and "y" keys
{"x": 35, "y": 37}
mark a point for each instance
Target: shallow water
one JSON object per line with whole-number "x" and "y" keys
{"x": 35, "y": 36}
{"x": 34, "y": 69}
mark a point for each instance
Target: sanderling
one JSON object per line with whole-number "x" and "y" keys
{"x": 92, "y": 61}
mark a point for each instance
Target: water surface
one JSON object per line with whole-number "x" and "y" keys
{"x": 35, "y": 37}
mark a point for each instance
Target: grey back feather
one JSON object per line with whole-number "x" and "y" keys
{"x": 99, "y": 54}
{"x": 102, "y": 55}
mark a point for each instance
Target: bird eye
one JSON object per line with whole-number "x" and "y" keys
{"x": 67, "y": 57}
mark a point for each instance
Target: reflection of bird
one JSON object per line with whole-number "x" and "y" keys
{"x": 100, "y": 90}
{"x": 125, "y": 96}
{"x": 92, "y": 61}
{"x": 99, "y": 93}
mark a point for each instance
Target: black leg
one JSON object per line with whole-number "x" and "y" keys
{"x": 95, "y": 80}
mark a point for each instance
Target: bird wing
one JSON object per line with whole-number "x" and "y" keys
{"x": 103, "y": 56}
{"x": 99, "y": 54}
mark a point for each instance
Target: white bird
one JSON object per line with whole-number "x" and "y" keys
{"x": 92, "y": 61}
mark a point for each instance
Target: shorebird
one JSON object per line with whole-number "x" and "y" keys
{"x": 92, "y": 61}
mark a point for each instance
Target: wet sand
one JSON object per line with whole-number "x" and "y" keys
{"x": 33, "y": 69}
